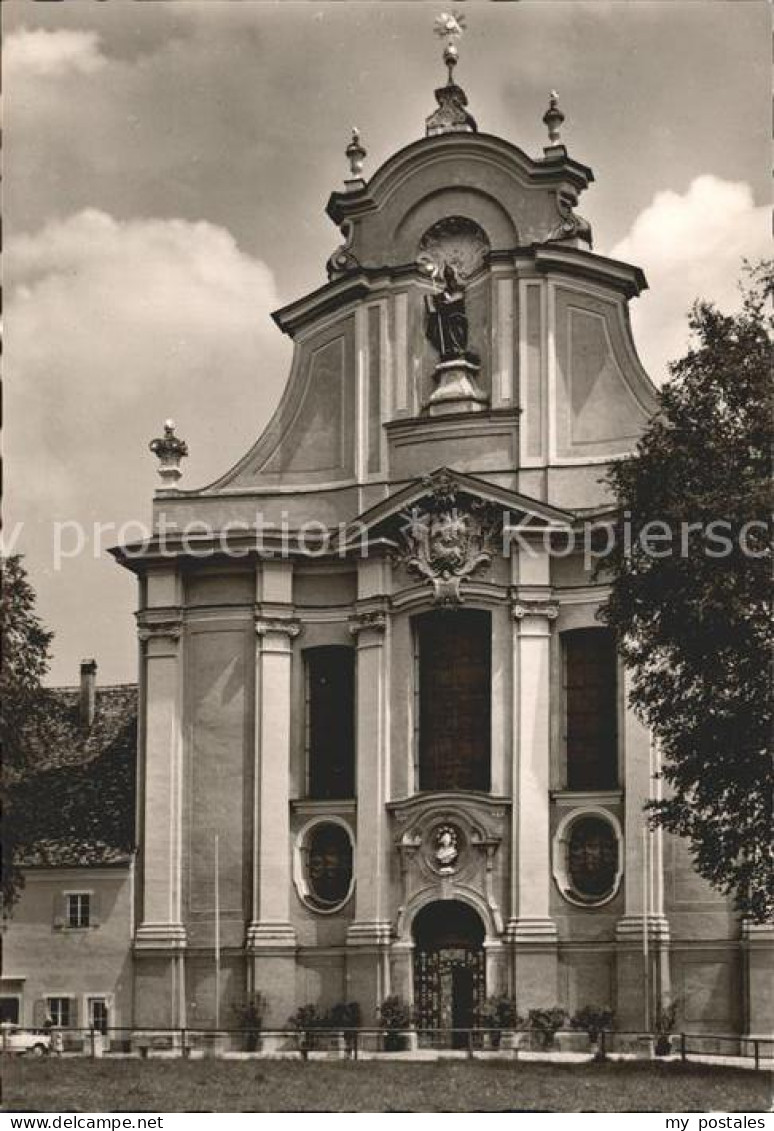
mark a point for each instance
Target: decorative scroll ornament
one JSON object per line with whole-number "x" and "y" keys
{"x": 570, "y": 226}
{"x": 446, "y": 541}
{"x": 343, "y": 259}
{"x": 169, "y": 449}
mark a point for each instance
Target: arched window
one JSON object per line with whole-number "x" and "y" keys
{"x": 330, "y": 721}
{"x": 591, "y": 708}
{"x": 454, "y": 683}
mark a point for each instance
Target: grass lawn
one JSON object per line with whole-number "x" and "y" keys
{"x": 263, "y": 1085}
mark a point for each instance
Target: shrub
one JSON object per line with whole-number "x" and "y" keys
{"x": 592, "y": 1019}
{"x": 250, "y": 1015}
{"x": 344, "y": 1015}
{"x": 546, "y": 1023}
{"x": 394, "y": 1015}
{"x": 664, "y": 1023}
{"x": 500, "y": 1012}
{"x": 305, "y": 1020}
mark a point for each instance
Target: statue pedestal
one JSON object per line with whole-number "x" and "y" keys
{"x": 457, "y": 389}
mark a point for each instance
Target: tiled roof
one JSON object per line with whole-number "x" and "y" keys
{"x": 79, "y": 803}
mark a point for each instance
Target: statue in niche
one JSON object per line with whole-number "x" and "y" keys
{"x": 447, "y": 319}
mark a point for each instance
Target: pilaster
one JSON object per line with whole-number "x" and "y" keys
{"x": 531, "y": 930}
{"x": 160, "y": 937}
{"x": 271, "y": 939}
{"x": 368, "y": 937}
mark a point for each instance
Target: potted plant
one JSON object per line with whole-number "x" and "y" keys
{"x": 545, "y": 1024}
{"x": 307, "y": 1020}
{"x": 395, "y": 1017}
{"x": 666, "y": 1016}
{"x": 593, "y": 1020}
{"x": 345, "y": 1016}
{"x": 499, "y": 1014}
{"x": 250, "y": 1015}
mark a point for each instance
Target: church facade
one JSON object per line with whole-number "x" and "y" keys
{"x": 384, "y": 741}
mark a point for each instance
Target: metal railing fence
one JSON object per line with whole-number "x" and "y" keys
{"x": 351, "y": 1043}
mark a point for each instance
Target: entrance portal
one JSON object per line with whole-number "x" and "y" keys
{"x": 449, "y": 973}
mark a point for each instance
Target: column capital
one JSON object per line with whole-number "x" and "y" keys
{"x": 543, "y": 608}
{"x": 286, "y": 625}
{"x": 160, "y": 623}
{"x": 370, "y": 618}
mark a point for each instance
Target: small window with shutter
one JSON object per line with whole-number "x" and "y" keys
{"x": 78, "y": 909}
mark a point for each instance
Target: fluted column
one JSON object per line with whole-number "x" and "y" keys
{"x": 369, "y": 935}
{"x": 160, "y": 937}
{"x": 531, "y": 930}
{"x": 271, "y": 938}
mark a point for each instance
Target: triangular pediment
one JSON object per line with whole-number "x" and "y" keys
{"x": 455, "y": 490}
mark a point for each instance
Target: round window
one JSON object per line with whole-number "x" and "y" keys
{"x": 328, "y": 866}
{"x": 592, "y": 859}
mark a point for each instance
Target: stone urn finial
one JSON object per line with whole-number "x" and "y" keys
{"x": 553, "y": 119}
{"x": 169, "y": 450}
{"x": 356, "y": 154}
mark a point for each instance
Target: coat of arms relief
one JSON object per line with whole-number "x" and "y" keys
{"x": 447, "y": 539}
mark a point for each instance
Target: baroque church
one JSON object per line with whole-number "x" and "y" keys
{"x": 384, "y": 744}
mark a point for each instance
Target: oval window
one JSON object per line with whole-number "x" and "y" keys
{"x": 328, "y": 865}
{"x": 592, "y": 858}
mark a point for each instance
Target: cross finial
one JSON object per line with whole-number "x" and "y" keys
{"x": 450, "y": 26}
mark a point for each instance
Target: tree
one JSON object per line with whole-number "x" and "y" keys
{"x": 23, "y": 703}
{"x": 691, "y": 594}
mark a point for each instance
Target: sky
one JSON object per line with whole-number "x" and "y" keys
{"x": 167, "y": 168}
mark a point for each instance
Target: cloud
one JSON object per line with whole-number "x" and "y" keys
{"x": 691, "y": 246}
{"x": 52, "y": 53}
{"x": 112, "y": 326}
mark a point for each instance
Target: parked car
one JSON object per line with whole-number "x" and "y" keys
{"x": 33, "y": 1042}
